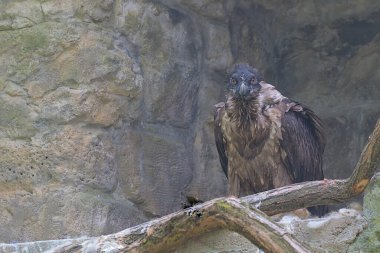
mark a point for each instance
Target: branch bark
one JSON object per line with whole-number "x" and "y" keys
{"x": 167, "y": 233}
{"x": 240, "y": 215}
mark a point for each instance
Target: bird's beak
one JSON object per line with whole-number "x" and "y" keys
{"x": 243, "y": 90}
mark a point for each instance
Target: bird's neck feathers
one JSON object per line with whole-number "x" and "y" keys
{"x": 245, "y": 113}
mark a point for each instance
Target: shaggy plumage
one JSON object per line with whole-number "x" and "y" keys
{"x": 264, "y": 139}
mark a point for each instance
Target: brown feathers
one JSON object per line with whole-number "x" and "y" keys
{"x": 265, "y": 141}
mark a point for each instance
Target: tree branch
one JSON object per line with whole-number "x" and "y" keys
{"x": 240, "y": 215}
{"x": 169, "y": 232}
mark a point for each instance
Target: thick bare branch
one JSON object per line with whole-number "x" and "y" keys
{"x": 167, "y": 233}
{"x": 368, "y": 162}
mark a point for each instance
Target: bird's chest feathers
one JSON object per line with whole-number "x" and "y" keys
{"x": 253, "y": 144}
{"x": 246, "y": 129}
{"x": 247, "y": 141}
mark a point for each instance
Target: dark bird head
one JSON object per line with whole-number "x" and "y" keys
{"x": 244, "y": 82}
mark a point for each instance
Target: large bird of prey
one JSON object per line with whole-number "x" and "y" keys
{"x": 264, "y": 139}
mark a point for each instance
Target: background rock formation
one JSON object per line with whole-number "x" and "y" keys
{"x": 368, "y": 241}
{"x": 106, "y": 106}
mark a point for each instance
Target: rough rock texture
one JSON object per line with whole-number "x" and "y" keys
{"x": 219, "y": 241}
{"x": 369, "y": 240}
{"x": 106, "y": 106}
{"x": 334, "y": 233}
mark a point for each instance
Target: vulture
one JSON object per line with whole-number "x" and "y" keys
{"x": 264, "y": 139}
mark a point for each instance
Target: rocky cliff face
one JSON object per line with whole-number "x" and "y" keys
{"x": 106, "y": 106}
{"x": 369, "y": 240}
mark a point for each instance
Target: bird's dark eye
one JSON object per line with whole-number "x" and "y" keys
{"x": 253, "y": 80}
{"x": 233, "y": 81}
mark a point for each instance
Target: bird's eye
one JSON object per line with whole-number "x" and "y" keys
{"x": 233, "y": 81}
{"x": 253, "y": 80}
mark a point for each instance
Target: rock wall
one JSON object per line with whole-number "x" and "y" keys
{"x": 106, "y": 106}
{"x": 369, "y": 240}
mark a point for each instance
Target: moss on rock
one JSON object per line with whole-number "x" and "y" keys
{"x": 369, "y": 240}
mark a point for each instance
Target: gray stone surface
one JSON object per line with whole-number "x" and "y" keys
{"x": 106, "y": 106}
{"x": 369, "y": 240}
{"x": 219, "y": 241}
{"x": 333, "y": 233}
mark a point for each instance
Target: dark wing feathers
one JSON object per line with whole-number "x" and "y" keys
{"x": 303, "y": 143}
{"x": 219, "y": 139}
